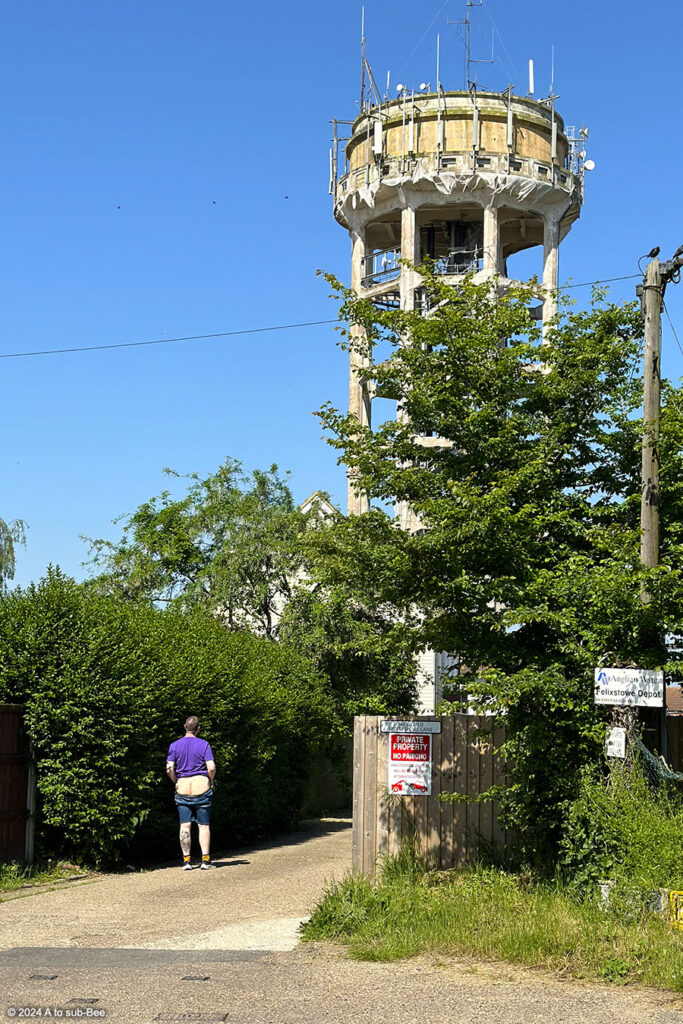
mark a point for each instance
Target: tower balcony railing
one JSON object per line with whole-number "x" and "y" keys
{"x": 458, "y": 261}
{"x": 463, "y": 163}
{"x": 384, "y": 265}
{"x": 381, "y": 266}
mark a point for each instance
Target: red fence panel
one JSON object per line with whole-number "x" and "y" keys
{"x": 16, "y": 796}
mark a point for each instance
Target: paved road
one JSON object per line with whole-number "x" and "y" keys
{"x": 168, "y": 945}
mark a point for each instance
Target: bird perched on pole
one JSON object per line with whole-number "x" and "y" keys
{"x": 679, "y": 252}
{"x": 653, "y": 252}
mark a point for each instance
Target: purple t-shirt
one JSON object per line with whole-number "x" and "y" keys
{"x": 189, "y": 756}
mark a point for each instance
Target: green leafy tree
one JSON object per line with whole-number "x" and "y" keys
{"x": 368, "y": 661}
{"x": 11, "y": 534}
{"x": 239, "y": 547}
{"x": 231, "y": 544}
{"x": 519, "y": 457}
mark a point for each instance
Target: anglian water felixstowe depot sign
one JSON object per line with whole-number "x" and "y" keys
{"x": 630, "y": 687}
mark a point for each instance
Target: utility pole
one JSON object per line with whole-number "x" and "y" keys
{"x": 651, "y": 294}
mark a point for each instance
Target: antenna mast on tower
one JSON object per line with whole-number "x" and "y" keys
{"x": 362, "y": 59}
{"x": 469, "y": 59}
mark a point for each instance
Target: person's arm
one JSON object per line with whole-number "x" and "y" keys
{"x": 210, "y": 764}
{"x": 170, "y": 770}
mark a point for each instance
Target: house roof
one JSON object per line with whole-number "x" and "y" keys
{"x": 319, "y": 499}
{"x": 674, "y": 700}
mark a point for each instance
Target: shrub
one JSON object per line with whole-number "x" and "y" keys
{"x": 107, "y": 685}
{"x": 553, "y": 728}
{"x": 619, "y": 827}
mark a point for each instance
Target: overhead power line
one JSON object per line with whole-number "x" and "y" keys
{"x": 227, "y": 334}
{"x": 605, "y": 280}
{"x": 673, "y": 329}
{"x": 163, "y": 341}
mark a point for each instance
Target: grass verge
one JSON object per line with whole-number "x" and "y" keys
{"x": 15, "y": 876}
{"x": 496, "y": 916}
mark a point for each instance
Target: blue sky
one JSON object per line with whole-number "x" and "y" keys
{"x": 165, "y": 173}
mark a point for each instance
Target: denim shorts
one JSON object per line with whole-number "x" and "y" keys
{"x": 194, "y": 808}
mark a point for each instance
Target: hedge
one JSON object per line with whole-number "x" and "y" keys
{"x": 107, "y": 686}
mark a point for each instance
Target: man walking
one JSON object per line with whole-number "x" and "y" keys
{"x": 190, "y": 765}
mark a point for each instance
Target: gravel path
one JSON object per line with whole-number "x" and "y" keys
{"x": 179, "y": 909}
{"x": 168, "y": 945}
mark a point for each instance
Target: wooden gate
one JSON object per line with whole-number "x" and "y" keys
{"x": 16, "y": 787}
{"x": 464, "y": 762}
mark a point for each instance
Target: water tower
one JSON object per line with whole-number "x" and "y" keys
{"x": 468, "y": 178}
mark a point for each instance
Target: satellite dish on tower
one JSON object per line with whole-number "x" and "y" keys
{"x": 589, "y": 165}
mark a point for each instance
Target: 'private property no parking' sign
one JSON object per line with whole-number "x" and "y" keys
{"x": 410, "y": 764}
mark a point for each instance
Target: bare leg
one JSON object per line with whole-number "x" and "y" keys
{"x": 205, "y": 839}
{"x": 185, "y": 840}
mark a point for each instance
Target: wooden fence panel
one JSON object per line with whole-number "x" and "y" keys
{"x": 447, "y": 849}
{"x": 396, "y": 824}
{"x": 370, "y": 790}
{"x": 486, "y": 780}
{"x": 358, "y": 793}
{"x": 460, "y": 752}
{"x": 472, "y": 808}
{"x": 499, "y": 835}
{"x": 434, "y": 805}
{"x": 383, "y": 798}
{"x": 464, "y": 763}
